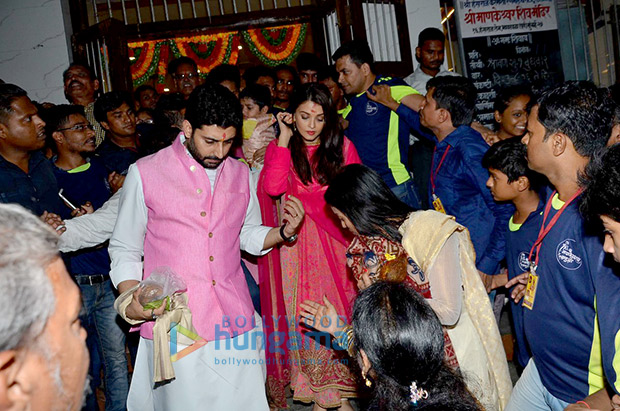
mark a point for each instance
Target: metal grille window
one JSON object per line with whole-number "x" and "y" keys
{"x": 591, "y": 40}
{"x": 382, "y": 30}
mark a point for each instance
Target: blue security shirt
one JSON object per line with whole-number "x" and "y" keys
{"x": 379, "y": 135}
{"x": 519, "y": 241}
{"x": 36, "y": 190}
{"x": 460, "y": 184}
{"x": 82, "y": 184}
{"x": 117, "y": 158}
{"x": 562, "y": 328}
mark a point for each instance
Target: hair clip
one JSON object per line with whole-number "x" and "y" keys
{"x": 417, "y": 393}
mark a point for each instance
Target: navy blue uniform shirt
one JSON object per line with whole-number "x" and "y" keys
{"x": 562, "y": 328}
{"x": 519, "y": 241}
{"x": 36, "y": 190}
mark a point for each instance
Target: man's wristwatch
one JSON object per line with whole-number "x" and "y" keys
{"x": 286, "y": 239}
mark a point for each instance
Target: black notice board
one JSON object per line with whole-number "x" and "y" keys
{"x": 496, "y": 62}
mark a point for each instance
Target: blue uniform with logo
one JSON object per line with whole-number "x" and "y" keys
{"x": 519, "y": 241}
{"x": 379, "y": 135}
{"x": 562, "y": 328}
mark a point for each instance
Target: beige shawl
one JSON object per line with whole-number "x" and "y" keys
{"x": 424, "y": 234}
{"x": 178, "y": 314}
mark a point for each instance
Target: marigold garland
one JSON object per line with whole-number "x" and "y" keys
{"x": 277, "y": 45}
{"x": 151, "y": 57}
{"x": 272, "y": 46}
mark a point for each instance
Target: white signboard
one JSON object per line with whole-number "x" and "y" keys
{"x": 496, "y": 17}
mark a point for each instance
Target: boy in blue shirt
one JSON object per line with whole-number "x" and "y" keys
{"x": 511, "y": 180}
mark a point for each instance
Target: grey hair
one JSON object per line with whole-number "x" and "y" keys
{"x": 27, "y": 247}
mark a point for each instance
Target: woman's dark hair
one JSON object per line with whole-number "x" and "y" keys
{"x": 507, "y": 94}
{"x": 403, "y": 340}
{"x": 362, "y": 195}
{"x": 328, "y": 159}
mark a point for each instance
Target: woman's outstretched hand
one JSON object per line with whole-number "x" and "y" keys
{"x": 322, "y": 317}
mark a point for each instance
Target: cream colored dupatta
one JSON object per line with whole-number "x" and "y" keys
{"x": 424, "y": 234}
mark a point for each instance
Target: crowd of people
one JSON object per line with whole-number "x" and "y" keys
{"x": 295, "y": 251}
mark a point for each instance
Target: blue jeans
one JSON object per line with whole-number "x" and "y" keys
{"x": 102, "y": 322}
{"x": 530, "y": 393}
{"x": 252, "y": 286}
{"x": 406, "y": 192}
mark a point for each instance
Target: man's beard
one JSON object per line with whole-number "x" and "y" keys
{"x": 191, "y": 147}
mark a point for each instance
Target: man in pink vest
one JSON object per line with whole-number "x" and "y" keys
{"x": 191, "y": 208}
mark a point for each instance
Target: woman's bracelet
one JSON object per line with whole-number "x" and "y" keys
{"x": 345, "y": 339}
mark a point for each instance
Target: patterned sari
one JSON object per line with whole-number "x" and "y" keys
{"x": 383, "y": 259}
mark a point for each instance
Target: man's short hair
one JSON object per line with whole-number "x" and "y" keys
{"x": 252, "y": 74}
{"x": 328, "y": 72}
{"x": 290, "y": 69}
{"x": 8, "y": 94}
{"x": 225, "y": 72}
{"x": 358, "y": 51}
{"x": 168, "y": 110}
{"x": 58, "y": 116}
{"x": 89, "y": 69}
{"x": 142, "y": 89}
{"x": 27, "y": 247}
{"x": 430, "y": 34}
{"x": 457, "y": 95}
{"x": 257, "y": 93}
{"x": 173, "y": 66}
{"x": 579, "y": 110}
{"x": 601, "y": 181}
{"x": 110, "y": 101}
{"x": 308, "y": 61}
{"x": 510, "y": 157}
{"x": 213, "y": 105}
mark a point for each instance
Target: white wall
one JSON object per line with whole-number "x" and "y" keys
{"x": 33, "y": 50}
{"x": 420, "y": 15}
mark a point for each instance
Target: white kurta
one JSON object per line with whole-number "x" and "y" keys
{"x": 227, "y": 374}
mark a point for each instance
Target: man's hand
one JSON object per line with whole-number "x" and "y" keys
{"x": 116, "y": 181}
{"x": 54, "y": 221}
{"x": 521, "y": 283}
{"x": 134, "y": 310}
{"x": 84, "y": 209}
{"x": 491, "y": 282}
{"x": 293, "y": 216}
{"x": 381, "y": 94}
{"x": 489, "y": 136}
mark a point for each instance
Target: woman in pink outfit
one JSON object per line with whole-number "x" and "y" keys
{"x": 310, "y": 150}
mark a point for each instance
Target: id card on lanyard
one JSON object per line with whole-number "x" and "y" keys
{"x": 437, "y": 204}
{"x": 533, "y": 278}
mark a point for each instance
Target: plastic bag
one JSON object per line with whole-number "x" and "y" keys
{"x": 162, "y": 283}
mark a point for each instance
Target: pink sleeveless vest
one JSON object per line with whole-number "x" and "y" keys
{"x": 196, "y": 234}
